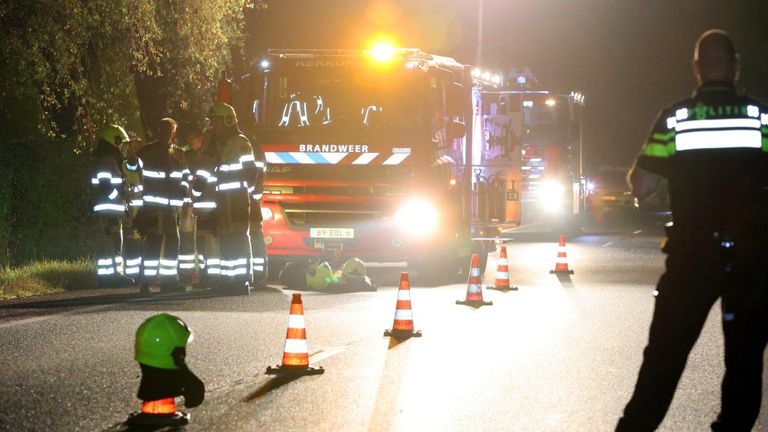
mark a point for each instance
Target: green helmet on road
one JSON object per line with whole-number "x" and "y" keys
{"x": 158, "y": 337}
{"x": 319, "y": 275}
{"x": 222, "y": 110}
{"x": 113, "y": 134}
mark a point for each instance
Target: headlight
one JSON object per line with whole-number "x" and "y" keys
{"x": 417, "y": 217}
{"x": 551, "y": 196}
{"x": 266, "y": 214}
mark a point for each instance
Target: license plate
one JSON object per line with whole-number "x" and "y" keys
{"x": 332, "y": 233}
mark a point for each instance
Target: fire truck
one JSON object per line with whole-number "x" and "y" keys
{"x": 529, "y": 163}
{"x": 369, "y": 154}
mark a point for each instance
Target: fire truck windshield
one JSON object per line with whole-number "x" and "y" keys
{"x": 344, "y": 98}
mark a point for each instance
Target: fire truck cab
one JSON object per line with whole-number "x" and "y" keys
{"x": 368, "y": 154}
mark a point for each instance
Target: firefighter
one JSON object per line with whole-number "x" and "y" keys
{"x": 161, "y": 350}
{"x": 237, "y": 173}
{"x": 710, "y": 149}
{"x": 202, "y": 180}
{"x": 258, "y": 245}
{"x": 161, "y": 171}
{"x": 109, "y": 204}
{"x": 133, "y": 190}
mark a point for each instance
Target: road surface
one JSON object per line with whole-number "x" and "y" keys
{"x": 559, "y": 354}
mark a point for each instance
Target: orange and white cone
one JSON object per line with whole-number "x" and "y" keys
{"x": 296, "y": 351}
{"x": 161, "y": 412}
{"x": 561, "y": 265}
{"x": 474, "y": 286}
{"x": 403, "y": 326}
{"x": 502, "y": 273}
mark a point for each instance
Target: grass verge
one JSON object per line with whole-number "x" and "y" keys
{"x": 46, "y": 277}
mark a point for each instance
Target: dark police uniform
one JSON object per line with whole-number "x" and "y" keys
{"x": 713, "y": 149}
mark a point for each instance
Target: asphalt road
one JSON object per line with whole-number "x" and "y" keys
{"x": 559, "y": 354}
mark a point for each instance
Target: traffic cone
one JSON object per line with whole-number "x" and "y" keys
{"x": 561, "y": 265}
{"x": 296, "y": 351}
{"x": 161, "y": 412}
{"x": 502, "y": 273}
{"x": 474, "y": 286}
{"x": 402, "y": 328}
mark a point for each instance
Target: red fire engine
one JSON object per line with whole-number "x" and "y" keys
{"x": 369, "y": 154}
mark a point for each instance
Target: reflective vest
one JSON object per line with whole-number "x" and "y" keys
{"x": 202, "y": 182}
{"x": 713, "y": 149}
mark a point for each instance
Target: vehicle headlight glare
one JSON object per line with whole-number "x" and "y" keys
{"x": 417, "y": 217}
{"x": 551, "y": 196}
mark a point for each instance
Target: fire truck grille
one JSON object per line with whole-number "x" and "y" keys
{"x": 298, "y": 218}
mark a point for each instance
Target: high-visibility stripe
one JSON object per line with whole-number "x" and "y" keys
{"x": 247, "y": 158}
{"x": 186, "y": 266}
{"x": 753, "y": 111}
{"x": 204, "y": 205}
{"x": 257, "y": 197}
{"x": 137, "y": 203}
{"x": 257, "y": 260}
{"x": 234, "y": 272}
{"x": 235, "y": 262}
{"x": 214, "y": 270}
{"x": 258, "y": 268}
{"x": 203, "y": 173}
{"x": 177, "y": 174}
{"x": 152, "y": 263}
{"x": 150, "y": 272}
{"x": 154, "y": 174}
{"x": 186, "y": 257}
{"x": 113, "y": 207}
{"x": 764, "y": 119}
{"x": 116, "y": 180}
{"x": 176, "y": 202}
{"x": 103, "y": 175}
{"x": 131, "y": 270}
{"x": 168, "y": 272}
{"x": 681, "y": 114}
{"x": 718, "y": 139}
{"x": 196, "y": 194}
{"x": 154, "y": 199}
{"x": 260, "y": 164}
{"x": 105, "y": 271}
{"x": 231, "y": 185}
{"x": 734, "y": 123}
{"x": 105, "y": 261}
{"x": 167, "y": 262}
{"x": 114, "y": 194}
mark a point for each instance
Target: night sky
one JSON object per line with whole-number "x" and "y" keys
{"x": 630, "y": 57}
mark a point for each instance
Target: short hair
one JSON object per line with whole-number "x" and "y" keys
{"x": 715, "y": 52}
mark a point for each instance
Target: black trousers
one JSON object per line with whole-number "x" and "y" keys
{"x": 695, "y": 278}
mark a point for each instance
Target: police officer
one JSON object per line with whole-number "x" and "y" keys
{"x": 713, "y": 150}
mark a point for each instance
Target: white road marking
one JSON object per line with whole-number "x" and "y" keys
{"x": 608, "y": 244}
{"x": 327, "y": 353}
{"x": 637, "y": 232}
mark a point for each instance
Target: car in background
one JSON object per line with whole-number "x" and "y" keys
{"x": 607, "y": 189}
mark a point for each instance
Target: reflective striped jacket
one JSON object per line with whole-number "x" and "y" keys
{"x": 713, "y": 149}
{"x": 162, "y": 176}
{"x": 238, "y": 175}
{"x": 107, "y": 182}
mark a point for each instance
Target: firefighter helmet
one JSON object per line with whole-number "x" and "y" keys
{"x": 113, "y": 134}
{"x": 158, "y": 337}
{"x": 224, "y": 111}
{"x": 319, "y": 275}
{"x": 353, "y": 270}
